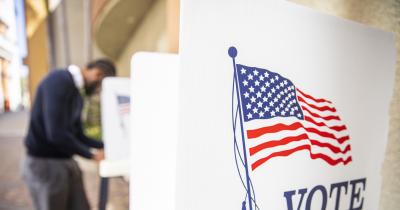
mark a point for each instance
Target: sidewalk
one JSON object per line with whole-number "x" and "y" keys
{"x": 13, "y": 193}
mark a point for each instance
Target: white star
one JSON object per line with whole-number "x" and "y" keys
{"x": 250, "y": 77}
{"x": 249, "y": 116}
{"x": 248, "y": 106}
{"x": 286, "y": 109}
{"x": 255, "y": 110}
{"x": 243, "y": 71}
{"x": 272, "y": 80}
{"x": 291, "y": 113}
{"x": 257, "y": 83}
{"x": 283, "y": 112}
{"x": 266, "y": 108}
{"x": 251, "y": 89}
{"x": 246, "y": 94}
{"x": 277, "y": 109}
{"x": 285, "y": 82}
{"x": 261, "y": 77}
{"x": 255, "y": 72}
{"x": 259, "y": 104}
{"x": 245, "y": 83}
{"x": 266, "y": 74}
{"x": 272, "y": 113}
{"x": 258, "y": 94}
{"x": 276, "y": 77}
{"x": 273, "y": 90}
{"x": 286, "y": 90}
{"x": 281, "y": 105}
{"x": 265, "y": 99}
{"x": 269, "y": 95}
{"x": 277, "y": 87}
{"x": 271, "y": 103}
{"x": 267, "y": 84}
{"x": 275, "y": 100}
{"x": 261, "y": 114}
{"x": 298, "y": 115}
{"x": 263, "y": 89}
{"x": 279, "y": 96}
{"x": 281, "y": 84}
{"x": 252, "y": 99}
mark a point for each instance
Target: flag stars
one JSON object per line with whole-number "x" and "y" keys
{"x": 271, "y": 104}
{"x": 248, "y": 106}
{"x": 246, "y": 94}
{"x": 283, "y": 112}
{"x": 263, "y": 89}
{"x": 267, "y": 84}
{"x": 249, "y": 116}
{"x": 259, "y": 104}
{"x": 245, "y": 83}
{"x": 257, "y": 83}
{"x": 265, "y": 99}
{"x": 266, "y": 108}
{"x": 261, "y": 114}
{"x": 255, "y": 110}
{"x": 272, "y": 80}
{"x": 255, "y": 72}
{"x": 276, "y": 77}
{"x": 275, "y": 100}
{"x": 250, "y": 77}
{"x": 243, "y": 71}
{"x": 266, "y": 74}
{"x": 277, "y": 109}
{"x": 251, "y": 89}
{"x": 272, "y": 113}
{"x": 252, "y": 99}
{"x": 261, "y": 77}
{"x": 258, "y": 94}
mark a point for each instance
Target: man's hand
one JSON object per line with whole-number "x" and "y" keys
{"x": 98, "y": 155}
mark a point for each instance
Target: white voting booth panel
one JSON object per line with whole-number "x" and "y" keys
{"x": 115, "y": 116}
{"x": 294, "y": 117}
{"x": 154, "y": 131}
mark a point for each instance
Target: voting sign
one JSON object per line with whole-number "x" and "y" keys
{"x": 281, "y": 108}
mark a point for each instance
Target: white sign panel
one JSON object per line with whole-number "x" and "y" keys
{"x": 154, "y": 131}
{"x": 281, "y": 107}
{"x": 115, "y": 112}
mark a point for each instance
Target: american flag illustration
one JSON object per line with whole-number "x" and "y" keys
{"x": 279, "y": 119}
{"x": 123, "y": 104}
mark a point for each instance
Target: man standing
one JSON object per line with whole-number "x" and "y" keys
{"x": 55, "y": 134}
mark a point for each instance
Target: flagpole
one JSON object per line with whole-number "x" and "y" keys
{"x": 233, "y": 53}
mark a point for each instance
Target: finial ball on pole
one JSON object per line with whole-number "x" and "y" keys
{"x": 232, "y": 52}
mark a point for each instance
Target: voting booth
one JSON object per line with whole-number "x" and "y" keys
{"x": 154, "y": 130}
{"x": 115, "y": 116}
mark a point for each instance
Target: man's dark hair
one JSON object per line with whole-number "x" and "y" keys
{"x": 105, "y": 65}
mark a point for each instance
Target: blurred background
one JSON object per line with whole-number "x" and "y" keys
{"x": 39, "y": 36}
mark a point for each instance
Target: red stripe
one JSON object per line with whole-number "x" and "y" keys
{"x": 322, "y": 124}
{"x": 281, "y": 127}
{"x": 285, "y": 153}
{"x": 274, "y": 143}
{"x": 329, "y": 117}
{"x": 322, "y": 108}
{"x": 312, "y": 98}
{"x": 287, "y": 140}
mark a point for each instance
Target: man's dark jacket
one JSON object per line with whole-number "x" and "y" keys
{"x": 55, "y": 127}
